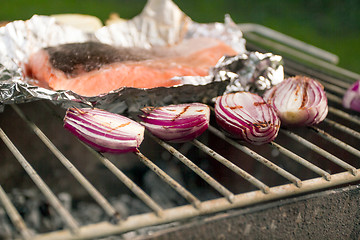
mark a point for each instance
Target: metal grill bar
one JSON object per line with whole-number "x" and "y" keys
{"x": 336, "y": 141}
{"x": 279, "y": 46}
{"x": 128, "y": 182}
{"x": 166, "y": 178}
{"x": 211, "y": 206}
{"x": 321, "y": 151}
{"x": 163, "y": 213}
{"x": 179, "y": 213}
{"x": 14, "y": 215}
{"x": 293, "y": 52}
{"x": 257, "y": 157}
{"x": 211, "y": 181}
{"x": 328, "y": 78}
{"x": 334, "y": 98}
{"x": 334, "y": 84}
{"x": 98, "y": 197}
{"x": 53, "y": 200}
{"x": 302, "y": 161}
{"x": 247, "y": 28}
{"x": 231, "y": 166}
{"x": 330, "y": 86}
{"x": 296, "y": 69}
{"x": 333, "y": 88}
{"x": 121, "y": 176}
{"x": 164, "y": 216}
{"x": 342, "y": 128}
{"x": 344, "y": 115}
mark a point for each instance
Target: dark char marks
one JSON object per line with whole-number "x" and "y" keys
{"x": 75, "y": 58}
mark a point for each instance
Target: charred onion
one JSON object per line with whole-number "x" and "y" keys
{"x": 246, "y": 116}
{"x": 176, "y": 123}
{"x": 298, "y": 101}
{"x": 104, "y": 131}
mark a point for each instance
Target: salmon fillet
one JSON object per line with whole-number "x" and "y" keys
{"x": 92, "y": 68}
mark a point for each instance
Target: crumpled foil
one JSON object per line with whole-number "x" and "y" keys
{"x": 160, "y": 23}
{"x": 251, "y": 71}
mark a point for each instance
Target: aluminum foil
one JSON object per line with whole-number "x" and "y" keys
{"x": 160, "y": 23}
{"x": 251, "y": 71}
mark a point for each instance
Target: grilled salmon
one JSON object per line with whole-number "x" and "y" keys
{"x": 94, "y": 68}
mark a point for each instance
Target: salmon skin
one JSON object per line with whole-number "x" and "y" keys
{"x": 94, "y": 68}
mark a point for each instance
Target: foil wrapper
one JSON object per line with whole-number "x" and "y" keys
{"x": 251, "y": 71}
{"x": 160, "y": 23}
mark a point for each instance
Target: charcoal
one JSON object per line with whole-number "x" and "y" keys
{"x": 128, "y": 205}
{"x": 87, "y": 213}
{"x": 40, "y": 217}
{"x": 162, "y": 193}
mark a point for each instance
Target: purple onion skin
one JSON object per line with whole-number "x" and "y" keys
{"x": 246, "y": 116}
{"x": 176, "y": 123}
{"x": 298, "y": 101}
{"x": 104, "y": 131}
{"x": 351, "y": 99}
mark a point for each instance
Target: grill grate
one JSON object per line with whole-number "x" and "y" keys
{"x": 118, "y": 223}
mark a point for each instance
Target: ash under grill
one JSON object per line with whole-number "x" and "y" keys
{"x": 85, "y": 194}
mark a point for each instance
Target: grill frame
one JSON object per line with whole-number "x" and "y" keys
{"x": 335, "y": 87}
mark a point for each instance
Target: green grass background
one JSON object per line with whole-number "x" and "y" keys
{"x": 333, "y": 25}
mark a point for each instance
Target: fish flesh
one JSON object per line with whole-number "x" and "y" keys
{"x": 94, "y": 68}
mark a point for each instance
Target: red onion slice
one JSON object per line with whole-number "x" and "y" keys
{"x": 246, "y": 116}
{"x": 176, "y": 123}
{"x": 104, "y": 131}
{"x": 351, "y": 98}
{"x": 298, "y": 101}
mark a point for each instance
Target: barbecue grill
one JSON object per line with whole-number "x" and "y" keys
{"x": 304, "y": 184}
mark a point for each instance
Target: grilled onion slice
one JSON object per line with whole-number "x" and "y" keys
{"x": 298, "y": 101}
{"x": 246, "y": 116}
{"x": 176, "y": 123}
{"x": 351, "y": 98}
{"x": 104, "y": 131}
